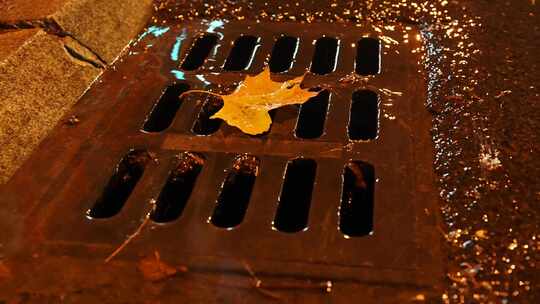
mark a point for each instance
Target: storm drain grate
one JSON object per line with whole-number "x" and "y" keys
{"x": 340, "y": 187}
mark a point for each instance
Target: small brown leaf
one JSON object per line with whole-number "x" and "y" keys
{"x": 154, "y": 270}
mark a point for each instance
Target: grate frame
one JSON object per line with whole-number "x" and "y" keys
{"x": 74, "y": 164}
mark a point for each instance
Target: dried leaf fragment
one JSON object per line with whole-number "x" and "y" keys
{"x": 154, "y": 270}
{"x": 247, "y": 107}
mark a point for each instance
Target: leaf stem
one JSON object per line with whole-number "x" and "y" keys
{"x": 198, "y": 91}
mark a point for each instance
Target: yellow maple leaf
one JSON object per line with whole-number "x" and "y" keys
{"x": 247, "y": 107}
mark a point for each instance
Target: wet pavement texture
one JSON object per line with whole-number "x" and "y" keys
{"x": 481, "y": 70}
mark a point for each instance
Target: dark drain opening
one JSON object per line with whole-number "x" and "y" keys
{"x": 235, "y": 193}
{"x": 204, "y": 125}
{"x": 177, "y": 190}
{"x": 199, "y": 52}
{"x": 356, "y": 210}
{"x": 242, "y": 53}
{"x": 120, "y": 185}
{"x": 364, "y": 115}
{"x": 164, "y": 111}
{"x": 283, "y": 54}
{"x": 295, "y": 199}
{"x": 368, "y": 56}
{"x": 325, "y": 57}
{"x": 313, "y": 116}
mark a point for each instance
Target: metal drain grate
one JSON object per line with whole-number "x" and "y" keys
{"x": 333, "y": 190}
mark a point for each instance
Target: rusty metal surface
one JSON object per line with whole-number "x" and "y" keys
{"x": 72, "y": 167}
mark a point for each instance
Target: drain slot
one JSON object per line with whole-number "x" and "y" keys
{"x": 204, "y": 125}
{"x": 313, "y": 116}
{"x": 368, "y": 56}
{"x": 356, "y": 210}
{"x": 364, "y": 116}
{"x": 242, "y": 53}
{"x": 164, "y": 111}
{"x": 325, "y": 57}
{"x": 177, "y": 190}
{"x": 295, "y": 199}
{"x": 199, "y": 52}
{"x": 120, "y": 185}
{"x": 283, "y": 54}
{"x": 235, "y": 192}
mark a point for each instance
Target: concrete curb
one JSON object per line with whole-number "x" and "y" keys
{"x": 50, "y": 53}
